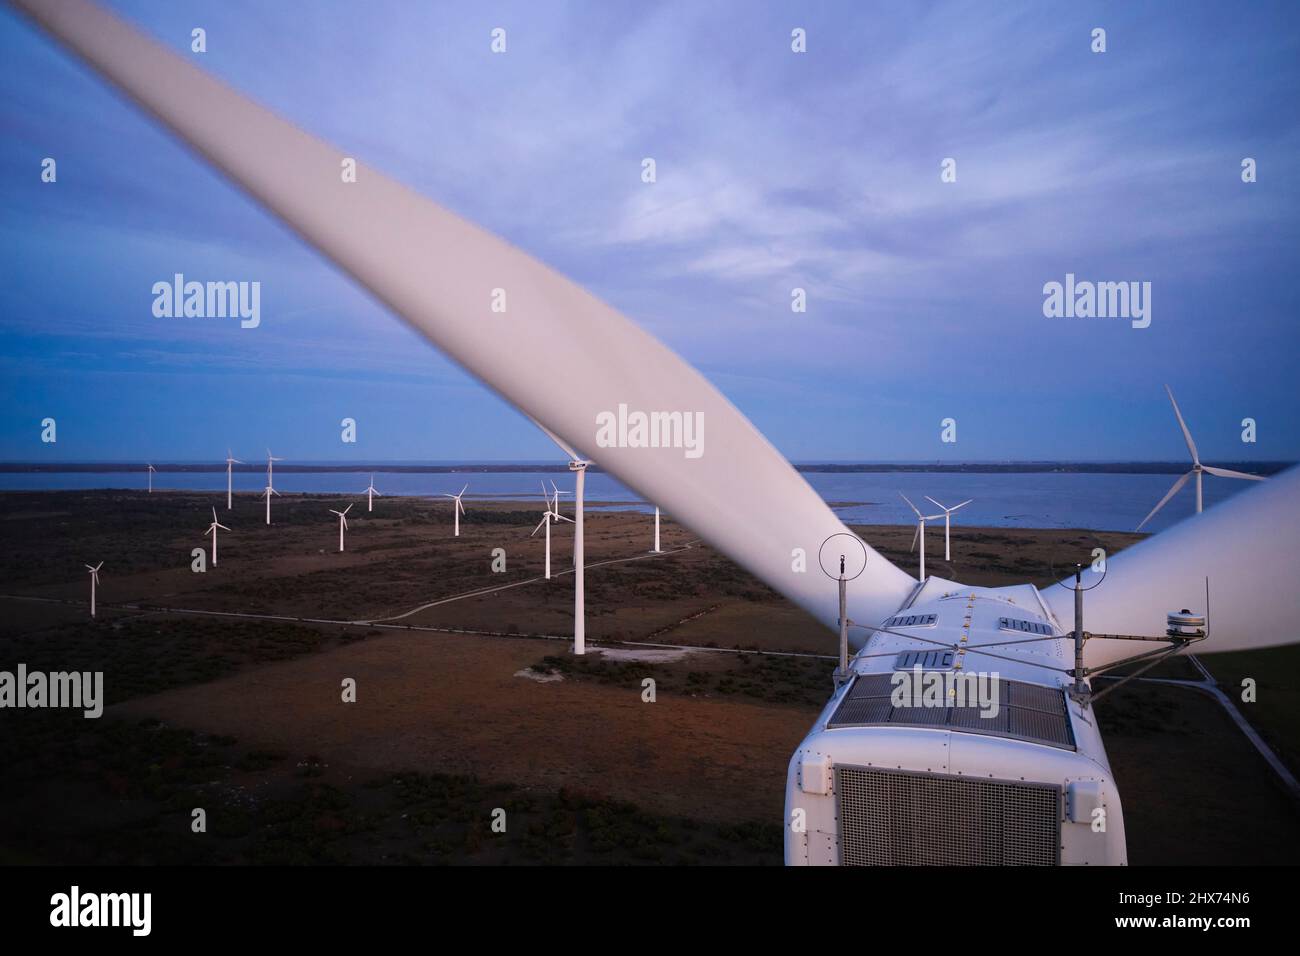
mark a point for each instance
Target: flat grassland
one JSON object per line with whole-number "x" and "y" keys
{"x": 225, "y": 691}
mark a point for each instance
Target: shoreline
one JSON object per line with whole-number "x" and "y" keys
{"x": 814, "y": 468}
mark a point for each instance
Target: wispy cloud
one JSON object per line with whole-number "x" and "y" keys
{"x": 774, "y": 170}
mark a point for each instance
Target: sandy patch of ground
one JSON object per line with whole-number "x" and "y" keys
{"x": 649, "y": 655}
{"x": 454, "y": 705}
{"x": 539, "y": 676}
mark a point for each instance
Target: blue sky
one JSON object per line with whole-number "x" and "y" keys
{"x": 775, "y": 170}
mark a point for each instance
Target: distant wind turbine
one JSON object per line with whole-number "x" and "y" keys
{"x": 151, "y": 471}
{"x": 270, "y": 466}
{"x": 343, "y": 522}
{"x": 458, "y": 510}
{"x": 229, "y": 485}
{"x": 94, "y": 580}
{"x": 267, "y": 495}
{"x": 1197, "y": 468}
{"x": 656, "y": 549}
{"x": 370, "y": 494}
{"x": 947, "y": 523}
{"x": 552, "y": 511}
{"x": 555, "y": 505}
{"x": 920, "y": 530}
{"x": 556, "y": 492}
{"x": 212, "y": 530}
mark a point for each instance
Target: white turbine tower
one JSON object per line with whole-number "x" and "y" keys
{"x": 343, "y": 522}
{"x": 578, "y": 466}
{"x": 947, "y": 523}
{"x": 267, "y": 495}
{"x": 552, "y": 511}
{"x": 457, "y": 511}
{"x": 94, "y": 580}
{"x": 1197, "y": 468}
{"x": 151, "y": 471}
{"x": 212, "y": 530}
{"x": 920, "y": 531}
{"x": 656, "y": 549}
{"x": 229, "y": 484}
{"x": 371, "y": 491}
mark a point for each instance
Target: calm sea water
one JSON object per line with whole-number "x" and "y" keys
{"x": 1103, "y": 502}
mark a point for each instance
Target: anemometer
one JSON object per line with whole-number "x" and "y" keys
{"x": 841, "y": 674}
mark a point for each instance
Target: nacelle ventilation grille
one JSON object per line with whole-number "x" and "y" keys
{"x": 912, "y": 620}
{"x": 900, "y": 818}
{"x": 1025, "y": 627}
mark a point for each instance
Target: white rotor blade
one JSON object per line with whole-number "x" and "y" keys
{"x": 437, "y": 271}
{"x": 560, "y": 443}
{"x": 909, "y": 503}
{"x": 933, "y": 502}
{"x": 1191, "y": 445}
{"x": 1245, "y": 546}
{"x": 539, "y": 527}
{"x": 915, "y": 535}
{"x": 1229, "y": 473}
{"x": 962, "y": 505}
{"x": 560, "y": 517}
{"x": 1172, "y": 491}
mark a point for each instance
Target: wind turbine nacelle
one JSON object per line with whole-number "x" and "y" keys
{"x": 955, "y": 741}
{"x": 914, "y": 796}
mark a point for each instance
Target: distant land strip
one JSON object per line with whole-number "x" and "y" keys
{"x": 982, "y": 467}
